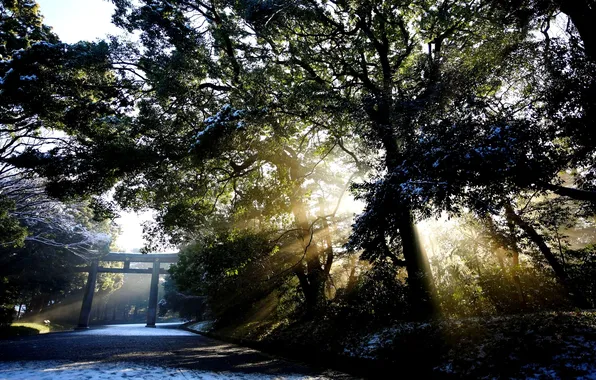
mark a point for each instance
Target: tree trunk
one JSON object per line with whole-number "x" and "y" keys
{"x": 310, "y": 272}
{"x": 577, "y": 194}
{"x": 328, "y": 252}
{"x": 501, "y": 243}
{"x": 417, "y": 265}
{"x": 515, "y": 263}
{"x": 36, "y": 304}
{"x": 352, "y": 279}
{"x": 582, "y": 15}
{"x": 498, "y": 251}
{"x": 419, "y": 274}
{"x": 516, "y": 279}
{"x": 575, "y": 294}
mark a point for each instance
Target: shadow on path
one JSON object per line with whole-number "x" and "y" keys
{"x": 165, "y": 346}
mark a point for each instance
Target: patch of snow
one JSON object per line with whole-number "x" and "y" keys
{"x": 93, "y": 370}
{"x": 201, "y": 326}
{"x": 43, "y": 43}
{"x": 540, "y": 372}
{"x": 29, "y": 77}
{"x": 17, "y": 53}
{"x": 446, "y": 368}
{"x": 6, "y": 75}
{"x": 110, "y": 119}
{"x": 374, "y": 341}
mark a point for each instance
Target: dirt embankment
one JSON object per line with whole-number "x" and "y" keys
{"x": 539, "y": 345}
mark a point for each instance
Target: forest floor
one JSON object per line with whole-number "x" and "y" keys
{"x": 549, "y": 345}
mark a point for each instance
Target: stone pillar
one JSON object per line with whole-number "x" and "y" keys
{"x": 152, "y": 307}
{"x": 88, "y": 296}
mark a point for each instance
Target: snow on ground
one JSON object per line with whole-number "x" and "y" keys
{"x": 138, "y": 329}
{"x": 48, "y": 370}
{"x": 204, "y": 326}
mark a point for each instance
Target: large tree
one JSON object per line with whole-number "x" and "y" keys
{"x": 216, "y": 139}
{"x": 45, "y": 86}
{"x": 399, "y": 68}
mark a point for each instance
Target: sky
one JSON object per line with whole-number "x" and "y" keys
{"x": 89, "y": 20}
{"x": 76, "y": 20}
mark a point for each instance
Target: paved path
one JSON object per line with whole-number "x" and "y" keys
{"x": 137, "y": 352}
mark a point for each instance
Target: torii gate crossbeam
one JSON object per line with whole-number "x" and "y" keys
{"x": 126, "y": 258}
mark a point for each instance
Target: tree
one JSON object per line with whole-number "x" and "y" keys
{"x": 41, "y": 270}
{"x": 48, "y": 89}
{"x": 368, "y": 55}
{"x": 534, "y": 12}
{"x": 231, "y": 270}
{"x": 20, "y": 27}
{"x": 43, "y": 88}
{"x": 50, "y": 222}
{"x": 187, "y": 306}
{"x": 219, "y": 168}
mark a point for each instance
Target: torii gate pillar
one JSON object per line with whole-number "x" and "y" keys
{"x": 152, "y": 307}
{"x": 88, "y": 296}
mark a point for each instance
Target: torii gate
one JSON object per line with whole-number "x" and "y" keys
{"x": 126, "y": 258}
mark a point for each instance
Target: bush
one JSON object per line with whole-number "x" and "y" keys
{"x": 232, "y": 270}
{"x": 7, "y": 315}
{"x": 380, "y": 295}
{"x": 14, "y": 331}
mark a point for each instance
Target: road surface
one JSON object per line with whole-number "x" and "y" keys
{"x": 137, "y": 352}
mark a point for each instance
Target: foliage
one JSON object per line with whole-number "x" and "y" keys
{"x": 43, "y": 270}
{"x": 45, "y": 86}
{"x": 41, "y": 328}
{"x": 582, "y": 268}
{"x": 10, "y": 331}
{"x": 184, "y": 304}
{"x": 10, "y": 229}
{"x": 244, "y": 161}
{"x": 231, "y": 270}
{"x": 379, "y": 296}
{"x": 244, "y": 123}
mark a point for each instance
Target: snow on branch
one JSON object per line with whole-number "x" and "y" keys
{"x": 48, "y": 221}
